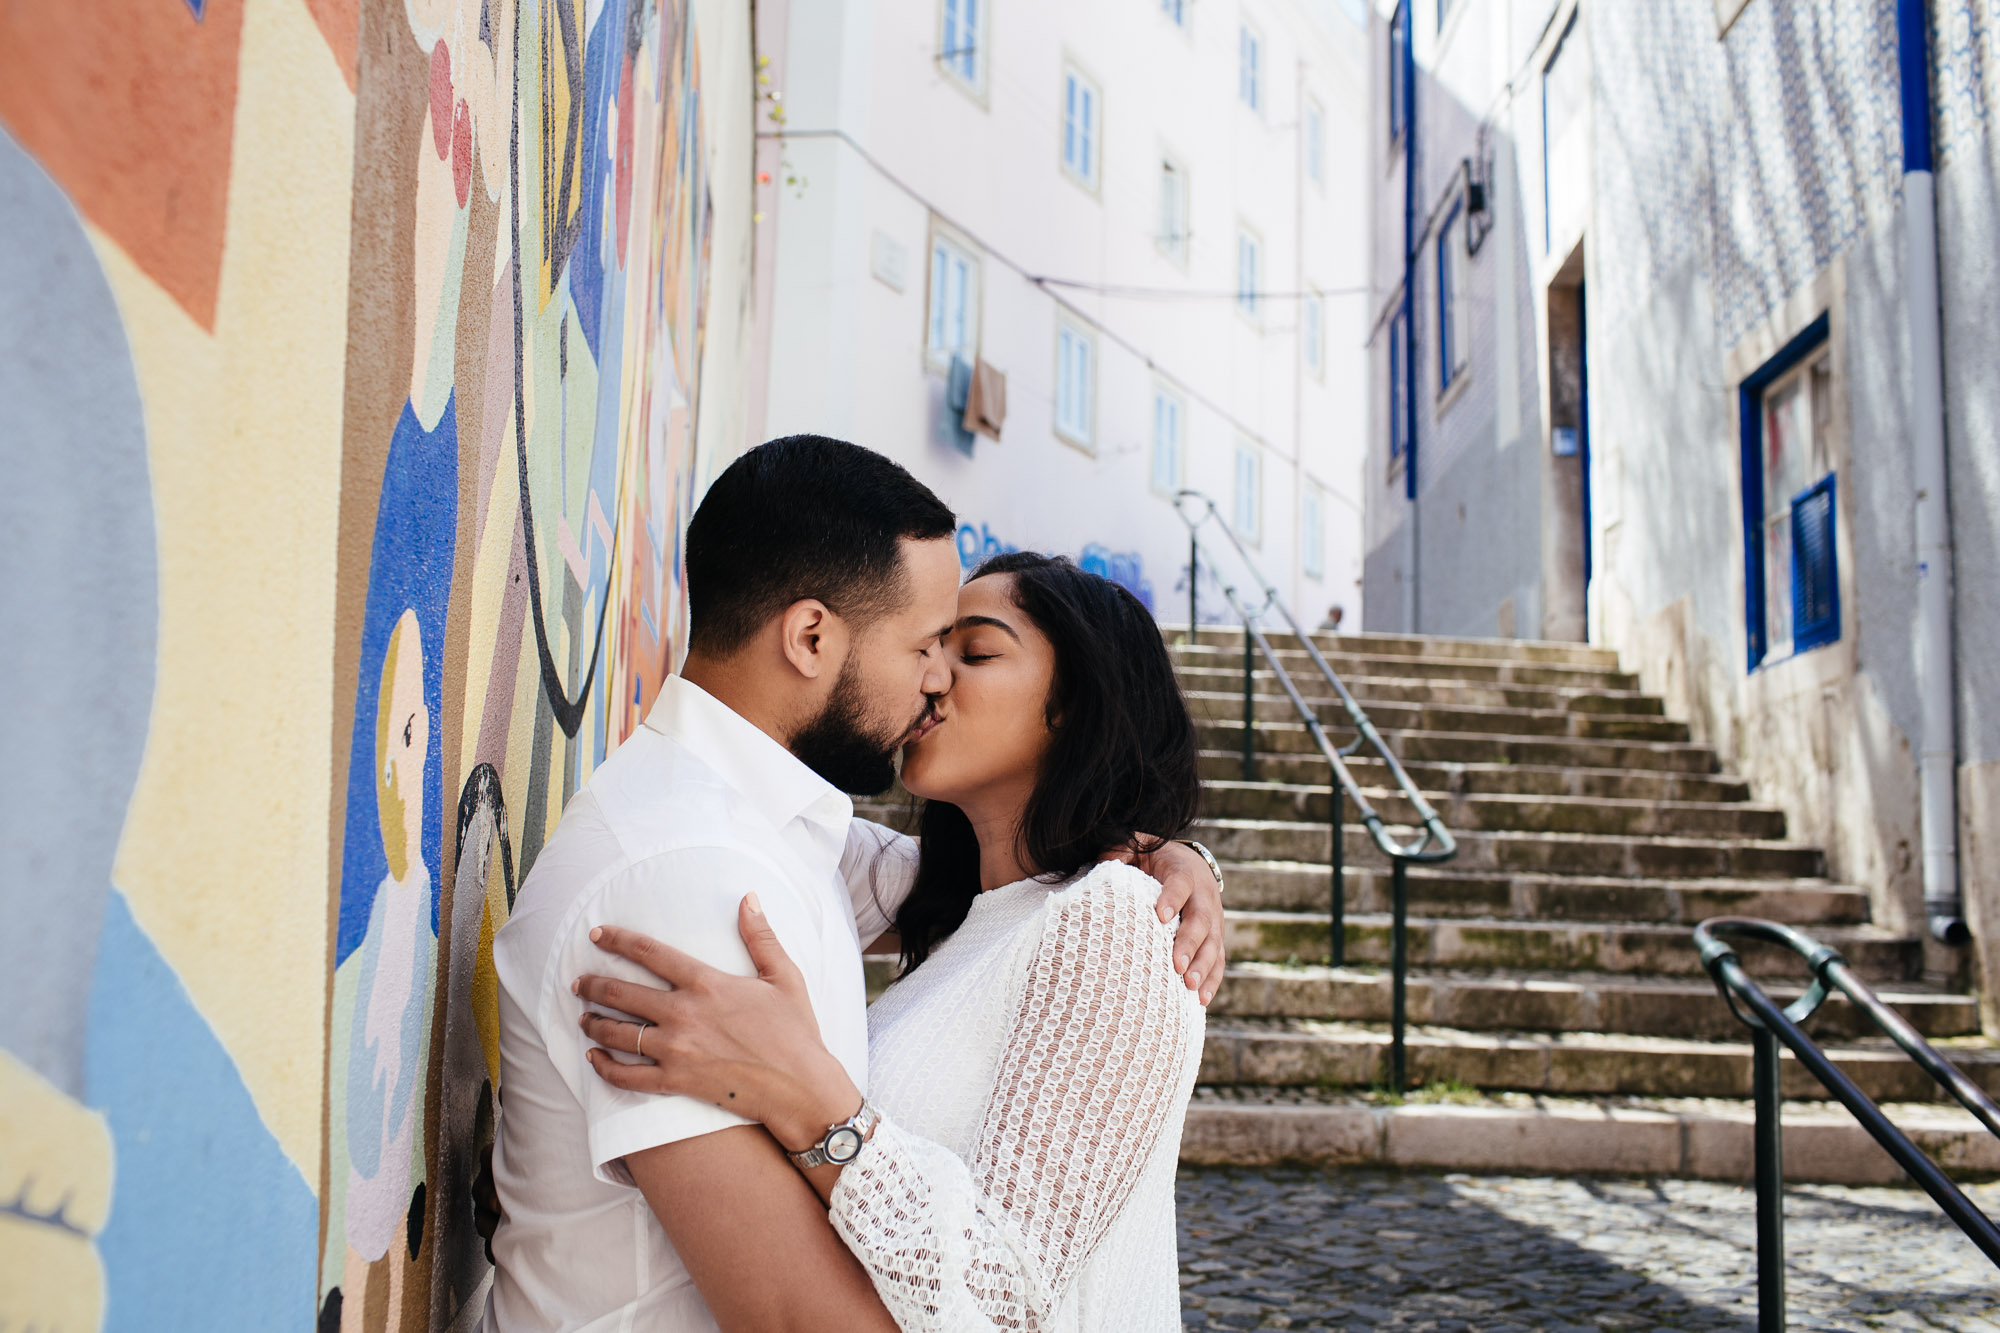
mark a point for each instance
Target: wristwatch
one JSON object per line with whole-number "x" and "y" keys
{"x": 841, "y": 1143}
{"x": 1208, "y": 856}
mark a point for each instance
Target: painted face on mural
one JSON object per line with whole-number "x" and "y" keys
{"x": 402, "y": 743}
{"x": 888, "y": 685}
{"x": 992, "y": 729}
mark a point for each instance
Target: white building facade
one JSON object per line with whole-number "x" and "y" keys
{"x": 1149, "y": 216}
{"x": 1645, "y": 329}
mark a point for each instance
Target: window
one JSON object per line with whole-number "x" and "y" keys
{"x": 959, "y": 47}
{"x": 1399, "y": 40}
{"x": 1175, "y": 10}
{"x": 1312, "y": 333}
{"x": 1248, "y": 509}
{"x": 1173, "y": 235}
{"x": 1315, "y": 143}
{"x": 1451, "y": 297}
{"x": 1397, "y": 397}
{"x": 1250, "y": 67}
{"x": 954, "y": 303}
{"x": 1312, "y": 532}
{"x": 1079, "y": 133}
{"x": 1076, "y": 389}
{"x": 1791, "y": 567}
{"x": 1248, "y": 262}
{"x": 1168, "y": 414}
{"x": 1564, "y": 90}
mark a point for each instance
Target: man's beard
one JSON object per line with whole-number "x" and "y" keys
{"x": 847, "y": 748}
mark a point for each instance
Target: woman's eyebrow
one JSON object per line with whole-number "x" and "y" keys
{"x": 969, "y": 622}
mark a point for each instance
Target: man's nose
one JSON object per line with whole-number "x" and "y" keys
{"x": 937, "y": 675}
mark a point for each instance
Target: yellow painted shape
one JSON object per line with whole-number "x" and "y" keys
{"x": 55, "y": 1164}
{"x": 50, "y": 1279}
{"x": 224, "y": 853}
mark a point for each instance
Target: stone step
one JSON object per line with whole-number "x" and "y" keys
{"x": 1477, "y": 779}
{"x": 1363, "y": 665}
{"x": 1643, "y": 857}
{"x": 1291, "y": 738}
{"x": 1644, "y": 947}
{"x": 1327, "y": 1053}
{"x": 1561, "y": 1002}
{"x": 1690, "y": 1138}
{"x": 1388, "y": 717}
{"x": 1492, "y": 812}
{"x": 1451, "y": 891}
{"x": 1372, "y": 690}
{"x": 1408, "y": 645}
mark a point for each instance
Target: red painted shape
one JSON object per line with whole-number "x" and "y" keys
{"x": 461, "y": 151}
{"x": 441, "y": 98}
{"x": 623, "y": 182}
{"x": 132, "y": 109}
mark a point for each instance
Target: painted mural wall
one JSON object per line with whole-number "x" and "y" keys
{"x": 363, "y": 360}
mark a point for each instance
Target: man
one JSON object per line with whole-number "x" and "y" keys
{"x": 822, "y": 579}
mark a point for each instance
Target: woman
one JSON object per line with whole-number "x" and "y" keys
{"x": 1032, "y": 1067}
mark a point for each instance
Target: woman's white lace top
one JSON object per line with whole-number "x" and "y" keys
{"x": 1033, "y": 1073}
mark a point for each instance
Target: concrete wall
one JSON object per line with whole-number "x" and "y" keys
{"x": 362, "y": 363}
{"x": 879, "y": 146}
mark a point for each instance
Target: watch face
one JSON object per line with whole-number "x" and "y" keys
{"x": 843, "y": 1145}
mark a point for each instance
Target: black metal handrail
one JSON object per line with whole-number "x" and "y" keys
{"x": 1434, "y": 842}
{"x": 1770, "y": 1025}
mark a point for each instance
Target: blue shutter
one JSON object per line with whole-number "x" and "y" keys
{"x": 1815, "y": 572}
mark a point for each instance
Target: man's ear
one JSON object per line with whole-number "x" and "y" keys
{"x": 813, "y": 639}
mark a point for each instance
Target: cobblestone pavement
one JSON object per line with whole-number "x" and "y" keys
{"x": 1373, "y": 1249}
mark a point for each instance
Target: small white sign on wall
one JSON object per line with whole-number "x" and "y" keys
{"x": 889, "y": 261}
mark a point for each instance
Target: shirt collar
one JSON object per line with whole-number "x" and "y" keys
{"x": 763, "y": 772}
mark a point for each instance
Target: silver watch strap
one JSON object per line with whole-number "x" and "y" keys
{"x": 1214, "y": 867}
{"x": 862, "y": 1122}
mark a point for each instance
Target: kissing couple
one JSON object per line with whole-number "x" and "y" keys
{"x": 705, "y": 1124}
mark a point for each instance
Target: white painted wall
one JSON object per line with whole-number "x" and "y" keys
{"x": 871, "y": 137}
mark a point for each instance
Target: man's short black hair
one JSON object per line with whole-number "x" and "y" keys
{"x": 798, "y": 517}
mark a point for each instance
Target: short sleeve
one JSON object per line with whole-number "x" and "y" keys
{"x": 686, "y": 898}
{"x": 879, "y": 866}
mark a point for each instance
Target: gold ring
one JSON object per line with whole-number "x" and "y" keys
{"x": 640, "y": 1044}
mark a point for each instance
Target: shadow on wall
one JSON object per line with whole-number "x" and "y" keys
{"x": 527, "y": 269}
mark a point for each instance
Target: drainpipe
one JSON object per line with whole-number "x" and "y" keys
{"x": 1937, "y": 764}
{"x": 1409, "y": 304}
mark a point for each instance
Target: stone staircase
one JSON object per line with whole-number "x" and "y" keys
{"x": 1554, "y": 995}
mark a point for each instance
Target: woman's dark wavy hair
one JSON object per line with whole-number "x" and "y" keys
{"x": 1122, "y": 764}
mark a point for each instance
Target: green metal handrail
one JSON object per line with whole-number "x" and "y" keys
{"x": 1434, "y": 842}
{"x": 1769, "y": 1025}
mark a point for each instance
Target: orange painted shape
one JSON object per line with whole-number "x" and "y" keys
{"x": 340, "y": 23}
{"x": 131, "y": 108}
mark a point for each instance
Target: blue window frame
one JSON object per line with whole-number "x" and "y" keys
{"x": 958, "y": 41}
{"x": 1791, "y": 572}
{"x": 1451, "y": 331}
{"x": 1815, "y": 571}
{"x": 1399, "y": 417}
{"x": 1398, "y": 40}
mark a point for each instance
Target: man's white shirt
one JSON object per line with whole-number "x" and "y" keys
{"x": 697, "y": 808}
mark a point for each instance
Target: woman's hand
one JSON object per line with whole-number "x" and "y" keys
{"x": 749, "y": 1045}
{"x": 1189, "y": 888}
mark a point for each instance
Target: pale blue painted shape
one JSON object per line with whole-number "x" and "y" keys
{"x": 211, "y": 1227}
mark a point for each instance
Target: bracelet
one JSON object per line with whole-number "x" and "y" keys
{"x": 1214, "y": 868}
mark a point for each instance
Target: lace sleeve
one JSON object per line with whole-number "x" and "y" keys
{"x": 1098, "y": 1063}
{"x": 879, "y": 866}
